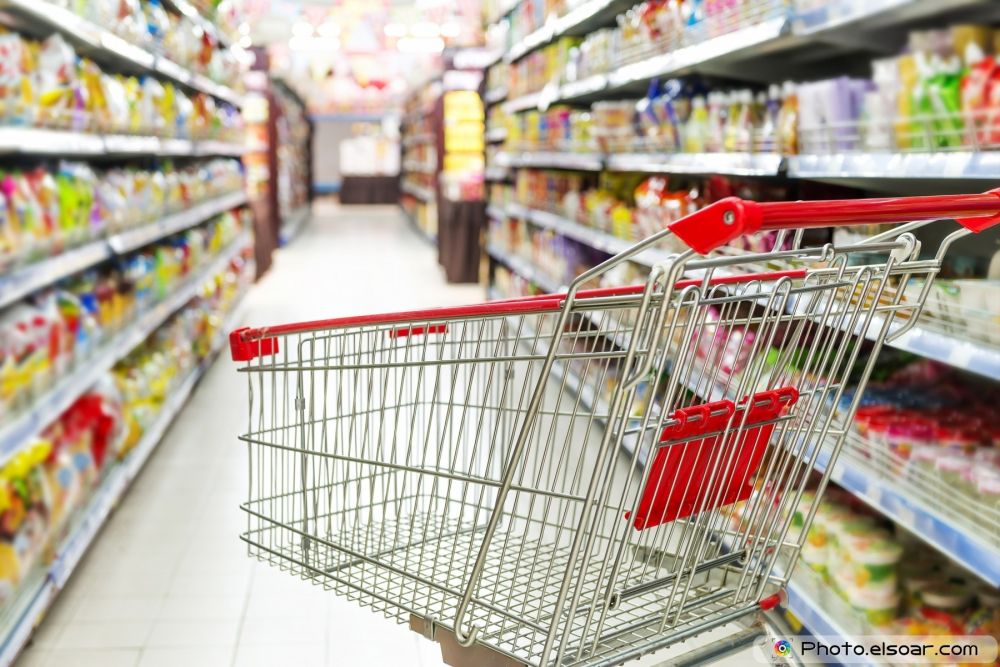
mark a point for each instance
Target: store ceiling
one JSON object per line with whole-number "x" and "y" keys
{"x": 359, "y": 54}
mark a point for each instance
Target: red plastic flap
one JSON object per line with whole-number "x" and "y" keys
{"x": 244, "y": 349}
{"x": 399, "y": 332}
{"x": 681, "y": 482}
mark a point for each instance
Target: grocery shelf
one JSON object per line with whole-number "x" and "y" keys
{"x": 430, "y": 238}
{"x": 495, "y": 95}
{"x": 101, "y": 44}
{"x": 189, "y": 10}
{"x": 522, "y": 103}
{"x": 724, "y": 54}
{"x": 551, "y": 159}
{"x": 576, "y": 90}
{"x": 419, "y": 167}
{"x": 414, "y": 139}
{"x": 736, "y": 164}
{"x": 806, "y": 602}
{"x": 45, "y": 141}
{"x": 730, "y": 46}
{"x": 134, "y": 239}
{"x": 423, "y": 194}
{"x": 495, "y": 173}
{"x": 969, "y": 165}
{"x": 42, "y": 589}
{"x": 26, "y": 279}
{"x": 294, "y": 222}
{"x": 496, "y": 135}
{"x": 587, "y": 235}
{"x": 523, "y": 268}
{"x": 979, "y": 358}
{"x": 958, "y": 542}
{"x": 18, "y": 429}
{"x": 583, "y": 18}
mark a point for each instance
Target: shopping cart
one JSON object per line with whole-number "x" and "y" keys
{"x": 585, "y": 477}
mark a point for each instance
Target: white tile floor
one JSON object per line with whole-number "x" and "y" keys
{"x": 167, "y": 581}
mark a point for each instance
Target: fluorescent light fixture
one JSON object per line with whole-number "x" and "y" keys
{"x": 425, "y": 29}
{"x": 450, "y": 29}
{"x": 328, "y": 29}
{"x": 420, "y": 45}
{"x": 314, "y": 44}
{"x": 302, "y": 29}
{"x": 395, "y": 30}
{"x": 245, "y": 42}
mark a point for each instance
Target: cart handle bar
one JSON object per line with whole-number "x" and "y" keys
{"x": 727, "y": 219}
{"x": 249, "y": 343}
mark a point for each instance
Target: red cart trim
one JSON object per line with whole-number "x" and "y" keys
{"x": 541, "y": 303}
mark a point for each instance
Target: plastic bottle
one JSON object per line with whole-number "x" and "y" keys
{"x": 696, "y": 130}
{"x": 716, "y": 121}
{"x": 767, "y": 134}
{"x": 788, "y": 121}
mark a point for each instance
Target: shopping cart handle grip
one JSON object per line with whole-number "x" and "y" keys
{"x": 719, "y": 223}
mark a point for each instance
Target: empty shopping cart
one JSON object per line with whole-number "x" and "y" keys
{"x": 585, "y": 477}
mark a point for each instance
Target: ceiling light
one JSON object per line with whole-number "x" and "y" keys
{"x": 420, "y": 45}
{"x": 245, "y": 42}
{"x": 450, "y": 29}
{"x": 328, "y": 29}
{"x": 302, "y": 29}
{"x": 425, "y": 29}
{"x": 394, "y": 30}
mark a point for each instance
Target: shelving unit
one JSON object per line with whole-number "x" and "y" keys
{"x": 30, "y": 277}
{"x": 767, "y": 52}
{"x": 40, "y": 590}
{"x": 104, "y": 46}
{"x": 19, "y": 428}
{"x": 44, "y": 141}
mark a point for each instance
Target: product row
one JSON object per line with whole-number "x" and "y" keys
{"x": 883, "y": 579}
{"x": 47, "y": 210}
{"x": 186, "y": 41}
{"x": 48, "y": 483}
{"x": 46, "y": 84}
{"x": 48, "y": 335}
{"x": 294, "y": 153}
{"x": 647, "y": 29}
{"x": 961, "y": 303}
{"x": 942, "y": 93}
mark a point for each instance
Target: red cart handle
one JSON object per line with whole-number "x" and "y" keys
{"x": 727, "y": 219}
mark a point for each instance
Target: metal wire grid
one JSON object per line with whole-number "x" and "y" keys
{"x": 926, "y": 486}
{"x": 918, "y": 133}
{"x": 336, "y": 499}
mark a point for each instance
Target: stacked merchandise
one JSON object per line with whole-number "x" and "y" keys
{"x": 294, "y": 149}
{"x": 940, "y": 94}
{"x": 582, "y": 163}
{"x": 419, "y": 139}
{"x": 118, "y": 276}
{"x": 45, "y": 212}
{"x": 46, "y": 487}
{"x": 462, "y": 162}
{"x": 46, "y": 84}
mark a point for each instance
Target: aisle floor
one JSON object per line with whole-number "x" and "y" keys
{"x": 168, "y": 581}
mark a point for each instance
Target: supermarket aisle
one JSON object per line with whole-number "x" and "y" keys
{"x": 168, "y": 581}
